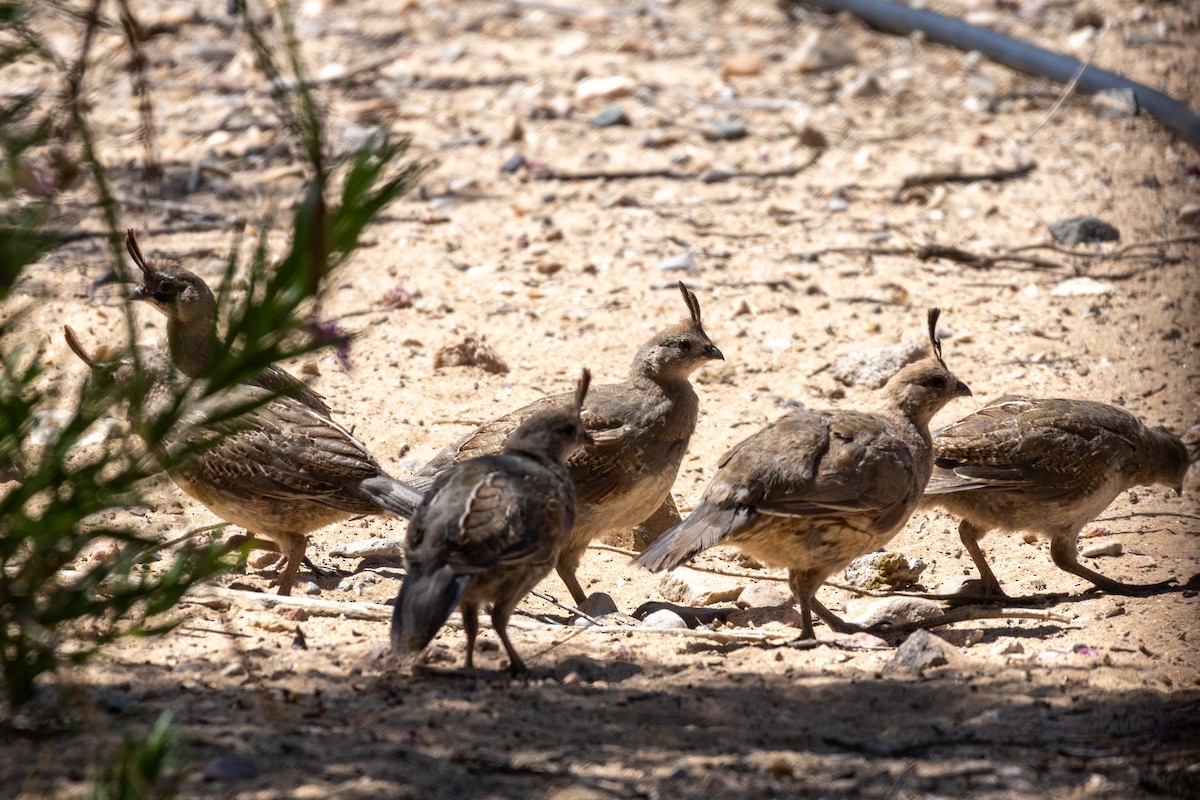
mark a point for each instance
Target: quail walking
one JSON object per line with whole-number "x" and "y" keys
{"x": 273, "y": 463}
{"x": 641, "y": 429}
{"x": 490, "y": 529}
{"x": 816, "y": 489}
{"x": 1048, "y": 466}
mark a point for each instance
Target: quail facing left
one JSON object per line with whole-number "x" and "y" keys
{"x": 192, "y": 337}
{"x": 264, "y": 455}
{"x": 1047, "y": 466}
{"x": 489, "y": 529}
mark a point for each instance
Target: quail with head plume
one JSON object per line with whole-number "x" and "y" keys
{"x": 641, "y": 430}
{"x": 816, "y": 489}
{"x": 1048, "y": 466}
{"x": 264, "y": 455}
{"x": 192, "y": 337}
{"x": 490, "y": 529}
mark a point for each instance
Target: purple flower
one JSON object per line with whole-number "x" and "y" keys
{"x": 329, "y": 332}
{"x": 1084, "y": 650}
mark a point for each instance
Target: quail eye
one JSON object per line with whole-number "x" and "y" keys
{"x": 936, "y": 382}
{"x": 685, "y": 345}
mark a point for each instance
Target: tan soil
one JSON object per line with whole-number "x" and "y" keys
{"x": 557, "y": 275}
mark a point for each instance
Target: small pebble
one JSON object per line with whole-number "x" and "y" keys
{"x": 678, "y": 263}
{"x": 311, "y": 588}
{"x": 729, "y": 130}
{"x": 664, "y": 619}
{"x": 1083, "y": 230}
{"x": 1113, "y": 548}
{"x": 1189, "y": 214}
{"x": 611, "y": 116}
{"x": 513, "y": 164}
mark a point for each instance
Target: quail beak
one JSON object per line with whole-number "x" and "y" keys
{"x": 962, "y": 390}
{"x": 712, "y": 352}
{"x": 139, "y": 293}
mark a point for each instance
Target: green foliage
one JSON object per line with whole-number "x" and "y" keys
{"x": 141, "y": 770}
{"x": 67, "y": 495}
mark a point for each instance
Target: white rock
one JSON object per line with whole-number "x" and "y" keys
{"x": 864, "y": 85}
{"x": 1008, "y": 647}
{"x": 1080, "y": 287}
{"x": 664, "y": 618}
{"x": 385, "y": 548}
{"x": 821, "y": 51}
{"x": 1098, "y": 549}
{"x": 693, "y": 588}
{"x": 679, "y": 263}
{"x": 590, "y": 90}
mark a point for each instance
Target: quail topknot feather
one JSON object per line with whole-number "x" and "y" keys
{"x": 816, "y": 489}
{"x": 641, "y": 430}
{"x": 1049, "y": 466}
{"x": 490, "y": 529}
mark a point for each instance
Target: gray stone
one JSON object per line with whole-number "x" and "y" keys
{"x": 598, "y": 604}
{"x": 822, "y": 50}
{"x": 513, "y": 164}
{"x": 365, "y": 548}
{"x": 917, "y": 653}
{"x": 871, "y": 367}
{"x": 665, "y": 619}
{"x": 1114, "y": 104}
{"x": 1083, "y": 230}
{"x": 765, "y": 595}
{"x": 230, "y": 767}
{"x": 311, "y": 588}
{"x": 611, "y": 116}
{"x": 693, "y": 588}
{"x": 870, "y": 611}
{"x": 884, "y": 570}
{"x": 729, "y": 130}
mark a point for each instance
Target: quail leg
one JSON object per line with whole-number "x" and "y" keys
{"x": 970, "y": 536}
{"x": 470, "y": 618}
{"x": 1064, "y": 550}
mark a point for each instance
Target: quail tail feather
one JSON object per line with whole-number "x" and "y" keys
{"x": 705, "y": 527}
{"x": 395, "y": 495}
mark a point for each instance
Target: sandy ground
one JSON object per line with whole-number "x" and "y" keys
{"x": 562, "y": 273}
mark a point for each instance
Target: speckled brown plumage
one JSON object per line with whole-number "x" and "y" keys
{"x": 816, "y": 489}
{"x": 489, "y": 530}
{"x": 641, "y": 430}
{"x": 1048, "y": 466}
{"x": 265, "y": 454}
{"x": 266, "y": 462}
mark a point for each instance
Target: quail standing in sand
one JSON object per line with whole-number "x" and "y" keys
{"x": 490, "y": 529}
{"x": 1047, "y": 466}
{"x": 275, "y": 464}
{"x": 641, "y": 430}
{"x": 816, "y": 489}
